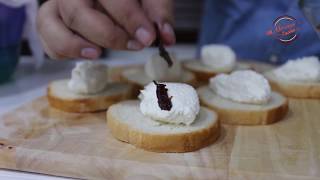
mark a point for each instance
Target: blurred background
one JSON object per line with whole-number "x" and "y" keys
{"x": 16, "y": 49}
{"x": 22, "y": 77}
{"x": 17, "y": 62}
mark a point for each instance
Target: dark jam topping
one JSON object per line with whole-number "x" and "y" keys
{"x": 162, "y": 51}
{"x": 164, "y": 100}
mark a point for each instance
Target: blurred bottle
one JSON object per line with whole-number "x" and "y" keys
{"x": 311, "y": 10}
{"x": 11, "y": 28}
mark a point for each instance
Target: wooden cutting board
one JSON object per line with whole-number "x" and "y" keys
{"x": 37, "y": 138}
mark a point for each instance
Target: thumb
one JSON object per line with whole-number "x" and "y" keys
{"x": 161, "y": 12}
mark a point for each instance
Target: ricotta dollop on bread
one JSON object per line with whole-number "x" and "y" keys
{"x": 88, "y": 78}
{"x": 184, "y": 99}
{"x": 302, "y": 70}
{"x": 218, "y": 57}
{"x": 88, "y": 90}
{"x": 242, "y": 86}
{"x": 158, "y": 69}
{"x": 126, "y": 123}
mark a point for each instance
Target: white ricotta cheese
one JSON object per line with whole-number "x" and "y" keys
{"x": 185, "y": 104}
{"x": 242, "y": 86}
{"x": 220, "y": 58}
{"x": 157, "y": 69}
{"x": 306, "y": 69}
{"x": 88, "y": 78}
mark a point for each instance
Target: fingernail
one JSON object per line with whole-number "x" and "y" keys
{"x": 134, "y": 45}
{"x": 167, "y": 29}
{"x": 144, "y": 36}
{"x": 89, "y": 53}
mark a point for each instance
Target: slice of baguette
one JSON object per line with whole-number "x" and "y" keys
{"x": 60, "y": 97}
{"x": 294, "y": 89}
{"x": 128, "y": 124}
{"x": 236, "y": 113}
{"x": 204, "y": 73}
{"x": 138, "y": 79}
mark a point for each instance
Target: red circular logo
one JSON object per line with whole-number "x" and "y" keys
{"x": 285, "y": 29}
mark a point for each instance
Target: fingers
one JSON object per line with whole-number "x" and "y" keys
{"x": 122, "y": 24}
{"x": 58, "y": 41}
{"x": 94, "y": 25}
{"x": 161, "y": 12}
{"x": 130, "y": 15}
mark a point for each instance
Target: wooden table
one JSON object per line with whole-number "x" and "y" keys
{"x": 37, "y": 138}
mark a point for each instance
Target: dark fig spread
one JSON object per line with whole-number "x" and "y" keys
{"x": 162, "y": 51}
{"x": 164, "y": 100}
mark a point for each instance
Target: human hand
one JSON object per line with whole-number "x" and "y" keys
{"x": 80, "y": 28}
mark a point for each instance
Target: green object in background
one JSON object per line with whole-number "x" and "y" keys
{"x": 12, "y": 21}
{"x": 9, "y": 60}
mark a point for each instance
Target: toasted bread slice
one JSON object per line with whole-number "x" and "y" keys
{"x": 128, "y": 124}
{"x": 60, "y": 97}
{"x": 236, "y": 113}
{"x": 138, "y": 79}
{"x": 294, "y": 89}
{"x": 204, "y": 73}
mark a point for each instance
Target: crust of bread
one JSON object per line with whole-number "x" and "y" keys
{"x": 136, "y": 87}
{"x": 204, "y": 75}
{"x": 237, "y": 117}
{"x": 171, "y": 143}
{"x": 311, "y": 91}
{"x": 200, "y": 75}
{"x": 250, "y": 117}
{"x": 84, "y": 105}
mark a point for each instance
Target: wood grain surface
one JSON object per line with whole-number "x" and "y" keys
{"x": 37, "y": 138}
